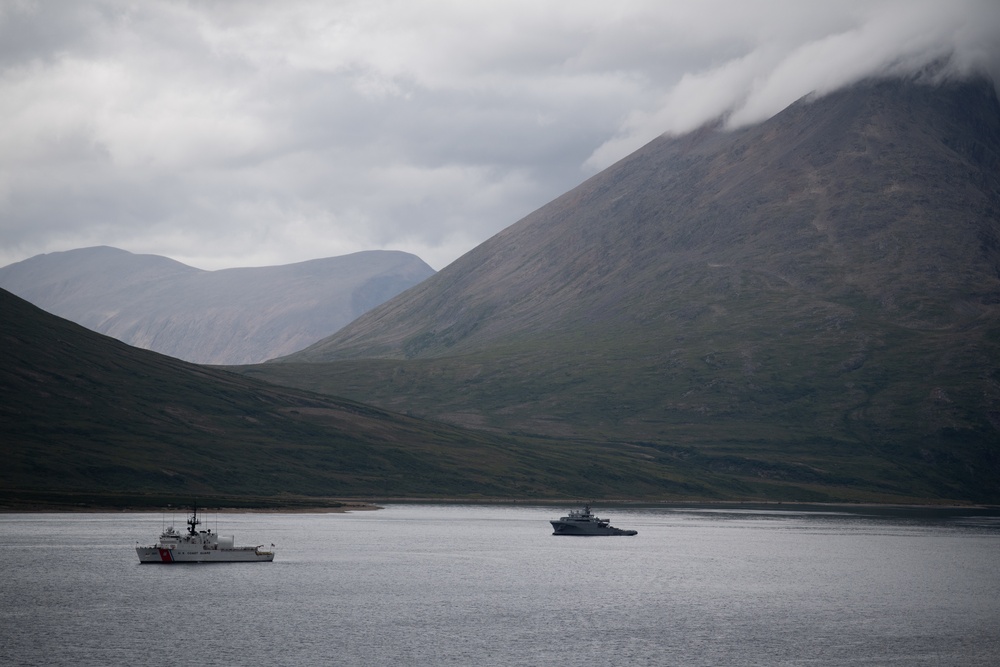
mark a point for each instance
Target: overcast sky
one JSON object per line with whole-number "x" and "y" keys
{"x": 251, "y": 133}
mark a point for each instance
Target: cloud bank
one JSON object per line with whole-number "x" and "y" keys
{"x": 250, "y": 133}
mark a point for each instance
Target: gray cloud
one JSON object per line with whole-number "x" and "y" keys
{"x": 237, "y": 134}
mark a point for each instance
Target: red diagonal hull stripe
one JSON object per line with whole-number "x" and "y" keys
{"x": 165, "y": 556}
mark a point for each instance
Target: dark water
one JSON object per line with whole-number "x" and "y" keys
{"x": 475, "y": 585}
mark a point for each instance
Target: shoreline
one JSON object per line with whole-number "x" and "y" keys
{"x": 356, "y": 505}
{"x": 38, "y": 508}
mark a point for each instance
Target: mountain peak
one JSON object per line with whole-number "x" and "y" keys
{"x": 829, "y": 196}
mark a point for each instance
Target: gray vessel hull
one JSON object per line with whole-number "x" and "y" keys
{"x": 566, "y": 528}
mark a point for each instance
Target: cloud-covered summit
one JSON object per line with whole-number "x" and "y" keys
{"x": 225, "y": 134}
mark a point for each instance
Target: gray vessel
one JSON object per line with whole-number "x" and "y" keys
{"x": 582, "y": 522}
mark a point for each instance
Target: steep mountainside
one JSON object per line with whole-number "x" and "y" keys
{"x": 230, "y": 316}
{"x": 886, "y": 192}
{"x": 828, "y": 280}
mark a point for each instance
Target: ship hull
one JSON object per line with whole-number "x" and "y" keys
{"x": 587, "y": 529}
{"x": 170, "y": 556}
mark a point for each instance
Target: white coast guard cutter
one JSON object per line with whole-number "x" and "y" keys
{"x": 200, "y": 546}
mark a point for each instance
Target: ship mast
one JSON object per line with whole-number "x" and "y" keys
{"x": 193, "y": 521}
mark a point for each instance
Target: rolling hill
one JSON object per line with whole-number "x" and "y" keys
{"x": 86, "y": 420}
{"x": 230, "y": 316}
{"x": 822, "y": 286}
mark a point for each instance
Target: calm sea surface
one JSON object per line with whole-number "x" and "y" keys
{"x": 489, "y": 585}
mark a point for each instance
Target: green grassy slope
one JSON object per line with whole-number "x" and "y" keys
{"x": 86, "y": 419}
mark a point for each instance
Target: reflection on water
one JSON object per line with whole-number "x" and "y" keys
{"x": 490, "y": 585}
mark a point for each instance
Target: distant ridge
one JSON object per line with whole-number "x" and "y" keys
{"x": 824, "y": 284}
{"x": 230, "y": 316}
